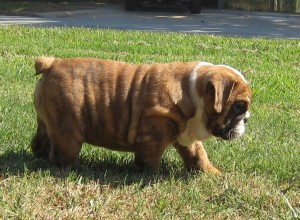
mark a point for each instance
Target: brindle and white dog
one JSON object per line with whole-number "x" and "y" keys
{"x": 137, "y": 108}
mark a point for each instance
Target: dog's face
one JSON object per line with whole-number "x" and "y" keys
{"x": 231, "y": 122}
{"x": 227, "y": 97}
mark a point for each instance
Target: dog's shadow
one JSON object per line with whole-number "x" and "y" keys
{"x": 105, "y": 171}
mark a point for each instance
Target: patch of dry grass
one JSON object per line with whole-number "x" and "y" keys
{"x": 40, "y": 195}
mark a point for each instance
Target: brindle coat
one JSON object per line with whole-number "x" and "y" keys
{"x": 137, "y": 108}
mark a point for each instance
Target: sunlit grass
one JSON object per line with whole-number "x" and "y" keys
{"x": 261, "y": 170}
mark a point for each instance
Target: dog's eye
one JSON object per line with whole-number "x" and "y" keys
{"x": 239, "y": 107}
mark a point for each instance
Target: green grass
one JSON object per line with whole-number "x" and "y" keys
{"x": 261, "y": 171}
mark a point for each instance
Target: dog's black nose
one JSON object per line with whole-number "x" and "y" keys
{"x": 245, "y": 120}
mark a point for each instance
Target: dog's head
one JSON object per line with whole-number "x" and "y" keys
{"x": 226, "y": 99}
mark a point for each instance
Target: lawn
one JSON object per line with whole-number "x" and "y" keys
{"x": 261, "y": 170}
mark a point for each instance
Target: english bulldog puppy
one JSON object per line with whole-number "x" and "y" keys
{"x": 139, "y": 108}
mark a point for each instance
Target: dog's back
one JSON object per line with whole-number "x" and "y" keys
{"x": 102, "y": 100}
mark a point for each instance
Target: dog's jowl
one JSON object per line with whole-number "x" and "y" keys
{"x": 137, "y": 108}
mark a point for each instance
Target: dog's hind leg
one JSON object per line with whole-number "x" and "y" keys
{"x": 40, "y": 143}
{"x": 65, "y": 145}
{"x": 61, "y": 147}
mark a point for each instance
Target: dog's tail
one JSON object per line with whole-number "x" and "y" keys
{"x": 43, "y": 64}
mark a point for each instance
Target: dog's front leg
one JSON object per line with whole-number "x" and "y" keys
{"x": 148, "y": 156}
{"x": 195, "y": 158}
{"x": 155, "y": 134}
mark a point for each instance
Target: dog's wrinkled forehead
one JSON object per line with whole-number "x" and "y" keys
{"x": 238, "y": 73}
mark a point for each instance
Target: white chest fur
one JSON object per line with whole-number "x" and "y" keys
{"x": 195, "y": 131}
{"x": 196, "y": 126}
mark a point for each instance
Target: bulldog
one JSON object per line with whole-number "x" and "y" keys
{"x": 139, "y": 108}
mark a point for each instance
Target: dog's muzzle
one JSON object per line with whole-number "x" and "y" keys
{"x": 233, "y": 128}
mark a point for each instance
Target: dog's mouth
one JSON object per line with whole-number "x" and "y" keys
{"x": 232, "y": 128}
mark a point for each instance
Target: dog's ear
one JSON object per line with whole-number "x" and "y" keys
{"x": 220, "y": 89}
